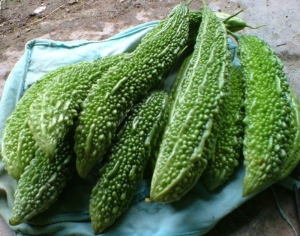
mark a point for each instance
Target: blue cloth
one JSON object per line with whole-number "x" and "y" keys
{"x": 194, "y": 214}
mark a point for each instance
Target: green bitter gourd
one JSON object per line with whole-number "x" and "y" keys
{"x": 54, "y": 110}
{"x": 108, "y": 102}
{"x": 272, "y": 139}
{"x": 180, "y": 163}
{"x": 126, "y": 161}
{"x": 18, "y": 146}
{"x": 227, "y": 130}
{"x": 42, "y": 181}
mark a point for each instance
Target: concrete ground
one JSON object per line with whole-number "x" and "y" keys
{"x": 92, "y": 20}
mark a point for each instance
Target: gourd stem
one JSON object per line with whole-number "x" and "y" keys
{"x": 229, "y": 17}
{"x": 256, "y": 27}
{"x": 234, "y": 35}
{"x": 251, "y": 27}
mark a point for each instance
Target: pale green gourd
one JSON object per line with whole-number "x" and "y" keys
{"x": 18, "y": 146}
{"x": 53, "y": 112}
{"x": 180, "y": 162}
{"x": 225, "y": 148}
{"x": 271, "y": 141}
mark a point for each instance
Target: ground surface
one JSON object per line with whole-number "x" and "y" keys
{"x": 97, "y": 20}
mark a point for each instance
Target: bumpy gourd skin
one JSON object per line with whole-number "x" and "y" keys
{"x": 54, "y": 110}
{"x": 180, "y": 162}
{"x": 18, "y": 146}
{"x": 108, "y": 102}
{"x": 43, "y": 181}
{"x": 127, "y": 160}
{"x": 177, "y": 88}
{"x": 271, "y": 119}
{"x": 233, "y": 24}
{"x": 226, "y": 149}
{"x": 294, "y": 153}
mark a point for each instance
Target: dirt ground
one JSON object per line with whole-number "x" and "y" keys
{"x": 70, "y": 20}
{"x": 97, "y": 20}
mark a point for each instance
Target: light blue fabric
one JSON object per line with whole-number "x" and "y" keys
{"x": 195, "y": 214}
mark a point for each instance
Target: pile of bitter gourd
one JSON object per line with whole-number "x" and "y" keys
{"x": 115, "y": 110}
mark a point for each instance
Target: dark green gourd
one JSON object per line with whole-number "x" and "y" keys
{"x": 42, "y": 181}
{"x": 109, "y": 101}
{"x": 127, "y": 160}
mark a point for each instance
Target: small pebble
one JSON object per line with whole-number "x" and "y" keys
{"x": 71, "y": 2}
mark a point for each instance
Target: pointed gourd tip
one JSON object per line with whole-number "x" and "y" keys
{"x": 250, "y": 186}
{"x": 233, "y": 15}
{"x": 12, "y": 221}
{"x": 80, "y": 170}
{"x": 249, "y": 191}
{"x": 154, "y": 196}
{"x": 98, "y": 230}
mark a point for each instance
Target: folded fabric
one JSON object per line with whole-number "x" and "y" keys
{"x": 195, "y": 214}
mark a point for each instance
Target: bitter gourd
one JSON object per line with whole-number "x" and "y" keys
{"x": 232, "y": 23}
{"x": 126, "y": 162}
{"x": 294, "y": 154}
{"x": 227, "y": 131}
{"x": 43, "y": 181}
{"x": 54, "y": 110}
{"x": 108, "y": 102}
{"x": 18, "y": 146}
{"x": 177, "y": 87}
{"x": 180, "y": 163}
{"x": 271, "y": 120}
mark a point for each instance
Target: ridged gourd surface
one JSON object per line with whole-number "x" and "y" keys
{"x": 54, "y": 110}
{"x": 227, "y": 131}
{"x": 180, "y": 163}
{"x": 271, "y": 123}
{"x": 126, "y": 162}
{"x": 18, "y": 146}
{"x": 108, "y": 102}
{"x": 233, "y": 24}
{"x": 42, "y": 182}
{"x": 294, "y": 153}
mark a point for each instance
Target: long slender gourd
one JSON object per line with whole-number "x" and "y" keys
{"x": 232, "y": 23}
{"x": 294, "y": 153}
{"x": 108, "y": 102}
{"x": 271, "y": 141}
{"x": 227, "y": 131}
{"x": 127, "y": 160}
{"x": 180, "y": 163}
{"x": 54, "y": 110}
{"x": 18, "y": 146}
{"x": 43, "y": 181}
